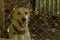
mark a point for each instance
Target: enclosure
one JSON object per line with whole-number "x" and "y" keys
{"x": 44, "y": 21}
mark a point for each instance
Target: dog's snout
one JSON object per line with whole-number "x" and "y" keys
{"x": 23, "y": 19}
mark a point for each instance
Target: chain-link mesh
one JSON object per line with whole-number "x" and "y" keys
{"x": 44, "y": 21}
{"x": 45, "y": 24}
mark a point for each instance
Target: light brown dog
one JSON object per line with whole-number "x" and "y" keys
{"x": 18, "y": 29}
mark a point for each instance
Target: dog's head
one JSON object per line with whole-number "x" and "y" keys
{"x": 21, "y": 15}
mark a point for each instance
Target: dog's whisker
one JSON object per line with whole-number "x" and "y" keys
{"x": 19, "y": 22}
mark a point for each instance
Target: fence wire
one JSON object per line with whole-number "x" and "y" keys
{"x": 44, "y": 21}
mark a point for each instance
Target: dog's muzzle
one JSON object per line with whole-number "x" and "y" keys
{"x": 23, "y": 19}
{"x": 23, "y": 23}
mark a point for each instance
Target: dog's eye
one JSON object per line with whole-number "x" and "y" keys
{"x": 19, "y": 13}
{"x": 26, "y": 13}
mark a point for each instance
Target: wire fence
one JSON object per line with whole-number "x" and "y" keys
{"x": 44, "y": 21}
{"x": 45, "y": 24}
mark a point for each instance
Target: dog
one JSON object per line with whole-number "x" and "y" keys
{"x": 18, "y": 28}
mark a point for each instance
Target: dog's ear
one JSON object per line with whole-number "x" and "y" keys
{"x": 12, "y": 13}
{"x": 13, "y": 10}
{"x": 30, "y": 10}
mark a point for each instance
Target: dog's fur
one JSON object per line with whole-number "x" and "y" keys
{"x": 18, "y": 29}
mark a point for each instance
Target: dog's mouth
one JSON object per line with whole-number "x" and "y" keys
{"x": 22, "y": 24}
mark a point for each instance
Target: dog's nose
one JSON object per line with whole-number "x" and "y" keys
{"x": 23, "y": 19}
